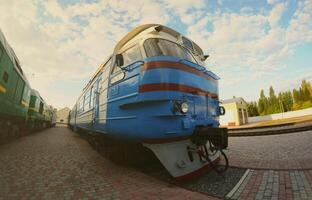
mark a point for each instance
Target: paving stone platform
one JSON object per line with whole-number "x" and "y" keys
{"x": 286, "y": 151}
{"x": 58, "y": 164}
{"x": 275, "y": 185}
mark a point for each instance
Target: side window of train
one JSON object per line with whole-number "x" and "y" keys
{"x": 92, "y": 97}
{"x": 5, "y": 77}
{"x": 80, "y": 105}
{"x": 41, "y": 107}
{"x": 87, "y": 100}
{"x": 77, "y": 107}
{"x": 130, "y": 55}
{"x": 19, "y": 90}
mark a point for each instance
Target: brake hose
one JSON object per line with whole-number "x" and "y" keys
{"x": 218, "y": 170}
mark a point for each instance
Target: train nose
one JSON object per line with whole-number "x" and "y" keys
{"x": 181, "y": 81}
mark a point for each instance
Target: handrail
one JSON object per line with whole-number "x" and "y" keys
{"x": 129, "y": 68}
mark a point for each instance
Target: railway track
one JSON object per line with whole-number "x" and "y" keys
{"x": 270, "y": 130}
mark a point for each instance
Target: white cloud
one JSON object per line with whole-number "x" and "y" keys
{"x": 188, "y": 10}
{"x": 246, "y": 10}
{"x": 300, "y": 28}
{"x": 272, "y": 2}
{"x": 276, "y": 14}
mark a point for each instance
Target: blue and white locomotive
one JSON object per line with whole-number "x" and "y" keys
{"x": 154, "y": 89}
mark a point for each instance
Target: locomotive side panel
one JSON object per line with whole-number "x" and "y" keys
{"x": 15, "y": 93}
{"x": 91, "y": 108}
{"x": 14, "y": 96}
{"x": 123, "y": 90}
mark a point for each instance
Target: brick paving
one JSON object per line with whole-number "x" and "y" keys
{"x": 287, "y": 151}
{"x": 281, "y": 166}
{"x": 274, "y": 185}
{"x": 58, "y": 164}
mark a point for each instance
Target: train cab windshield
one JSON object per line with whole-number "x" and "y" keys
{"x": 161, "y": 47}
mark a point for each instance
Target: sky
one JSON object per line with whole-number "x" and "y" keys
{"x": 252, "y": 44}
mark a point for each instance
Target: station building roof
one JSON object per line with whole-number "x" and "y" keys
{"x": 238, "y": 100}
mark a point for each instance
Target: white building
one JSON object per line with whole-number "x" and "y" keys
{"x": 235, "y": 112}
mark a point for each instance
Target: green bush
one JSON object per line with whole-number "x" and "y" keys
{"x": 306, "y": 104}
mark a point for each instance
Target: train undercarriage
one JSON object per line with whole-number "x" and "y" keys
{"x": 14, "y": 127}
{"x": 183, "y": 159}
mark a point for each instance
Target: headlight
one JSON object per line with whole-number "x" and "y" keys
{"x": 184, "y": 107}
{"x": 221, "y": 110}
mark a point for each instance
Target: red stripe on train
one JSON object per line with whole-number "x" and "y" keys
{"x": 175, "y": 87}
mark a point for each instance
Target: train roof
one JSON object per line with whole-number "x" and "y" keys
{"x": 136, "y": 31}
{"x": 129, "y": 36}
{"x": 35, "y": 92}
{"x": 12, "y": 55}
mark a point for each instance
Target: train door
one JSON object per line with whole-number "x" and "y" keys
{"x": 96, "y": 102}
{"x": 100, "y": 97}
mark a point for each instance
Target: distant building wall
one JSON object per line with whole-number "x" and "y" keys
{"x": 235, "y": 114}
{"x": 62, "y": 115}
{"x": 285, "y": 115}
{"x": 231, "y": 116}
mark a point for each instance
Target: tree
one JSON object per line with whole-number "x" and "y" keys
{"x": 280, "y": 99}
{"x": 305, "y": 86}
{"x": 310, "y": 90}
{"x": 296, "y": 99}
{"x": 262, "y": 104}
{"x": 287, "y": 101}
{"x": 255, "y": 109}
{"x": 252, "y": 109}
{"x": 273, "y": 106}
{"x": 296, "y": 96}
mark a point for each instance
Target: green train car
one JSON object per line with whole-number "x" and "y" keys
{"x": 21, "y": 107}
{"x": 40, "y": 114}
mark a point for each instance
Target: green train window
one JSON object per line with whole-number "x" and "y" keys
{"x": 5, "y": 77}
{"x": 41, "y": 108}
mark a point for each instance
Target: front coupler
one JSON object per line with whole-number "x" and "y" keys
{"x": 218, "y": 140}
{"x": 217, "y": 136}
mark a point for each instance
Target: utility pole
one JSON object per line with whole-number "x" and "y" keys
{"x": 281, "y": 107}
